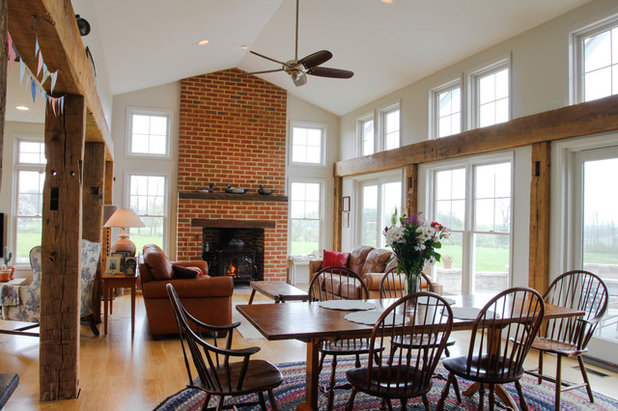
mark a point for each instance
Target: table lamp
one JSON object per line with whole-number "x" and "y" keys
{"x": 124, "y": 218}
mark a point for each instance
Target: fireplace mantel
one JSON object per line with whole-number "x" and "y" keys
{"x": 200, "y": 195}
{"x": 223, "y": 223}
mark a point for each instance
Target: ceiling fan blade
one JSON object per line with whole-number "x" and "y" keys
{"x": 265, "y": 71}
{"x": 267, "y": 58}
{"x": 330, "y": 72}
{"x": 315, "y": 59}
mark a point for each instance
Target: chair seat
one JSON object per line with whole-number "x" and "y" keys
{"x": 346, "y": 346}
{"x": 404, "y": 382}
{"x": 397, "y": 340}
{"x": 556, "y": 347}
{"x": 482, "y": 371}
{"x": 261, "y": 376}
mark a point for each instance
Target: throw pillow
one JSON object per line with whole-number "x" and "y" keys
{"x": 335, "y": 259}
{"x": 186, "y": 272}
{"x": 158, "y": 264}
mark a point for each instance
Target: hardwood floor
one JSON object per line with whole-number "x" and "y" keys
{"x": 117, "y": 374}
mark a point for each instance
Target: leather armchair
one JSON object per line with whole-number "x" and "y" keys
{"x": 209, "y": 299}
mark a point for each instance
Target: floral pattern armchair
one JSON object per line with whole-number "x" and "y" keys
{"x": 30, "y": 296}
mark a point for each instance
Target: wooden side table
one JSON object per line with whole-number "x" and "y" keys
{"x": 111, "y": 281}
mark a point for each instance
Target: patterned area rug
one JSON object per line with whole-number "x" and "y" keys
{"x": 292, "y": 392}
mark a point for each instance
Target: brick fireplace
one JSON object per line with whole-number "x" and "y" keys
{"x": 232, "y": 131}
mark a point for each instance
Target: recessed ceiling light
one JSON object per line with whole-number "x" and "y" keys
{"x": 202, "y": 42}
{"x": 22, "y": 108}
{"x": 388, "y": 1}
{"x": 244, "y": 47}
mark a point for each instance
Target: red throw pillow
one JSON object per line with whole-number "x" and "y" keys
{"x": 186, "y": 272}
{"x": 335, "y": 259}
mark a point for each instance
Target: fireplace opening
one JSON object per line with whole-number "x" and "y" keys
{"x": 236, "y": 252}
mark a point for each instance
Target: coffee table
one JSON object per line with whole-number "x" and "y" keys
{"x": 280, "y": 291}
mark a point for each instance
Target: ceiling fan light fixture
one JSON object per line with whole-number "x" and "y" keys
{"x": 299, "y": 78}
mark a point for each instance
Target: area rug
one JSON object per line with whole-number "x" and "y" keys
{"x": 292, "y": 392}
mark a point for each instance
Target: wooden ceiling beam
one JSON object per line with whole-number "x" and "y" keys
{"x": 62, "y": 49}
{"x": 572, "y": 121}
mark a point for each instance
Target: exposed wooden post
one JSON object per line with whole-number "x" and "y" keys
{"x": 540, "y": 189}
{"x": 412, "y": 189}
{"x": 338, "y": 190}
{"x": 61, "y": 249}
{"x": 3, "y": 74}
{"x": 109, "y": 180}
{"x": 92, "y": 218}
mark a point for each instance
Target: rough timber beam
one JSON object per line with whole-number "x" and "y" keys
{"x": 62, "y": 49}
{"x": 572, "y": 121}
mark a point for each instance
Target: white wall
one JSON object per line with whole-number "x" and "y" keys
{"x": 540, "y": 81}
{"x": 301, "y": 111}
{"x": 163, "y": 98}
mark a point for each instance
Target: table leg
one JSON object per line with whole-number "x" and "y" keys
{"x": 105, "y": 296}
{"x": 312, "y": 376}
{"x": 251, "y": 297}
{"x": 133, "y": 310}
{"x": 111, "y": 302}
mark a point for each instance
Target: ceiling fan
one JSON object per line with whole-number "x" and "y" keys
{"x": 298, "y": 69}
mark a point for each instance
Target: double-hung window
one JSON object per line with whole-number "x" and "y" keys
{"x": 596, "y": 61}
{"x": 305, "y": 217}
{"x": 474, "y": 201}
{"x": 30, "y": 178}
{"x": 389, "y": 118}
{"x": 379, "y": 200}
{"x": 307, "y": 144}
{"x": 149, "y": 133}
{"x": 491, "y": 90}
{"x": 148, "y": 198}
{"x": 446, "y": 109}
{"x": 367, "y": 137}
{"x": 380, "y": 131}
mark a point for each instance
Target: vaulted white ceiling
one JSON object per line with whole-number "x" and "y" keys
{"x": 152, "y": 42}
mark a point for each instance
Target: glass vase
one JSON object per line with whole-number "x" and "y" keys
{"x": 413, "y": 283}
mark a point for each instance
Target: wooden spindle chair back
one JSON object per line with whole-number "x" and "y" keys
{"x": 579, "y": 290}
{"x": 395, "y": 285}
{"x": 337, "y": 283}
{"x": 503, "y": 333}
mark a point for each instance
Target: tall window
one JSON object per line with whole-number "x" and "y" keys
{"x": 305, "y": 217}
{"x": 148, "y": 198}
{"x": 474, "y": 201}
{"x": 379, "y": 201}
{"x": 446, "y": 107}
{"x": 390, "y": 128}
{"x": 149, "y": 133}
{"x": 367, "y": 136}
{"x": 596, "y": 55}
{"x": 30, "y": 172}
{"x": 307, "y": 144}
{"x": 491, "y": 95}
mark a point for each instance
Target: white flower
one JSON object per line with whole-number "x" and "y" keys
{"x": 394, "y": 235}
{"x": 432, "y": 260}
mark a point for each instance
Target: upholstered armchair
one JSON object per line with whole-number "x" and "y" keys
{"x": 23, "y": 303}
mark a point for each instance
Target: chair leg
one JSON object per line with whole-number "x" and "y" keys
{"x": 540, "y": 366}
{"x": 585, "y": 376}
{"x": 331, "y": 387}
{"x": 206, "y": 401}
{"x": 322, "y": 356}
{"x": 482, "y": 397}
{"x": 93, "y": 325}
{"x": 522, "y": 400}
{"x": 262, "y": 402}
{"x": 447, "y": 352}
{"x": 357, "y": 363}
{"x": 444, "y": 394}
{"x": 456, "y": 389}
{"x": 220, "y": 405}
{"x": 389, "y": 404}
{"x": 492, "y": 398}
{"x": 273, "y": 402}
{"x": 404, "y": 403}
{"x": 425, "y": 402}
{"x": 558, "y": 381}
{"x": 350, "y": 404}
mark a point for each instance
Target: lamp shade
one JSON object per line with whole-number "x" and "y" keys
{"x": 124, "y": 217}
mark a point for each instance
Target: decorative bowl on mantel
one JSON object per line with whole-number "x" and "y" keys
{"x": 235, "y": 190}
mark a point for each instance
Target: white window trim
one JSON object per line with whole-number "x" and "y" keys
{"x": 473, "y": 81}
{"x": 380, "y": 136}
{"x": 322, "y": 182}
{"x": 17, "y": 166}
{"x": 469, "y": 164}
{"x": 359, "y": 132}
{"x": 166, "y": 202}
{"x": 434, "y": 117}
{"x": 576, "y": 37}
{"x": 129, "y": 131}
{"x": 307, "y": 124}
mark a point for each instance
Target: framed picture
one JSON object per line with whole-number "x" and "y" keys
{"x": 113, "y": 265}
{"x": 123, "y": 255}
{"x": 345, "y": 204}
{"x": 130, "y": 266}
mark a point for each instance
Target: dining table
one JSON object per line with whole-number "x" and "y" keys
{"x": 310, "y": 323}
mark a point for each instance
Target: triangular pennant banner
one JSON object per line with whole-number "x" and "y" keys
{"x": 33, "y": 89}
{"x": 54, "y": 77}
{"x": 37, "y": 48}
{"x": 22, "y": 70}
{"x": 40, "y": 65}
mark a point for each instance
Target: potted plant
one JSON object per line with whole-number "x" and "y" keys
{"x": 6, "y": 271}
{"x": 447, "y": 261}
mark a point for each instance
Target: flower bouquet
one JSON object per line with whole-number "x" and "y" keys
{"x": 414, "y": 241}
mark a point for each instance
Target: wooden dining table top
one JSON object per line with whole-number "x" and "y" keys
{"x": 304, "y": 321}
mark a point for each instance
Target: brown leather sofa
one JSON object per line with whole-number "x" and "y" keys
{"x": 209, "y": 299}
{"x": 369, "y": 263}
